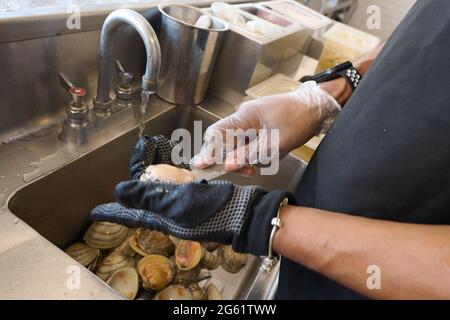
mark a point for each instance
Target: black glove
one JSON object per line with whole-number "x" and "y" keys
{"x": 151, "y": 150}
{"x": 204, "y": 211}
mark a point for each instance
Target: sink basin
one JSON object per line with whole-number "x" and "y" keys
{"x": 58, "y": 205}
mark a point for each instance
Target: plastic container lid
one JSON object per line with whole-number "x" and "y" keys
{"x": 299, "y": 13}
{"x": 355, "y": 39}
{"x": 244, "y": 23}
{"x": 276, "y": 84}
{"x": 266, "y": 14}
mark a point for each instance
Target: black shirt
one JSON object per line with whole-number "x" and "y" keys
{"x": 388, "y": 155}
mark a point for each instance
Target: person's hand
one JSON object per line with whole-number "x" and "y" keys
{"x": 150, "y": 151}
{"x": 212, "y": 211}
{"x": 202, "y": 211}
{"x": 297, "y": 115}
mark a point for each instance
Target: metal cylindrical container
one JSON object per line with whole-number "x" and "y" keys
{"x": 188, "y": 53}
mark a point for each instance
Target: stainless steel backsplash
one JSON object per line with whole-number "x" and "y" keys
{"x": 30, "y": 94}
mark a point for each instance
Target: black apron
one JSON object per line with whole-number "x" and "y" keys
{"x": 388, "y": 155}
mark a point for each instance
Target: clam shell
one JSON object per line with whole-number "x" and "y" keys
{"x": 105, "y": 235}
{"x": 82, "y": 253}
{"x": 156, "y": 272}
{"x": 125, "y": 248}
{"x": 174, "y": 292}
{"x": 197, "y": 292}
{"x": 174, "y": 240}
{"x": 211, "y": 246}
{"x": 231, "y": 261}
{"x": 94, "y": 264}
{"x": 167, "y": 173}
{"x": 213, "y": 293}
{"x": 211, "y": 261}
{"x": 113, "y": 262}
{"x": 186, "y": 276}
{"x": 145, "y": 242}
{"x": 188, "y": 254}
{"x": 125, "y": 281}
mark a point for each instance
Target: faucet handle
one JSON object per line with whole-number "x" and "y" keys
{"x": 124, "y": 91}
{"x": 125, "y": 77}
{"x": 119, "y": 66}
{"x": 77, "y": 93}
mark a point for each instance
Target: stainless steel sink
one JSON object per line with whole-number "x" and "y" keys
{"x": 58, "y": 204}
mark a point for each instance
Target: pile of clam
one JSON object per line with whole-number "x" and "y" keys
{"x": 142, "y": 260}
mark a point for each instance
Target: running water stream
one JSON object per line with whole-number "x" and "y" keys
{"x": 145, "y": 95}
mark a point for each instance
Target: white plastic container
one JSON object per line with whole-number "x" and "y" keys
{"x": 299, "y": 13}
{"x": 342, "y": 43}
{"x": 244, "y": 23}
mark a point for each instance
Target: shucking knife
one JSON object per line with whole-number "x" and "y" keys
{"x": 209, "y": 173}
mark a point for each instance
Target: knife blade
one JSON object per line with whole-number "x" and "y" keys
{"x": 209, "y": 173}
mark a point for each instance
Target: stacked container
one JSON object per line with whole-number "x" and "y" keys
{"x": 261, "y": 42}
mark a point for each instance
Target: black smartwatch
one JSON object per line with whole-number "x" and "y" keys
{"x": 344, "y": 70}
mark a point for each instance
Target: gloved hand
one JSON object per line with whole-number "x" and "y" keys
{"x": 202, "y": 211}
{"x": 298, "y": 115}
{"x": 212, "y": 211}
{"x": 151, "y": 150}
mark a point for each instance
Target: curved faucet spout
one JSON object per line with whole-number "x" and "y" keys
{"x": 116, "y": 19}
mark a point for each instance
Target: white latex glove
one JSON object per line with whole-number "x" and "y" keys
{"x": 298, "y": 115}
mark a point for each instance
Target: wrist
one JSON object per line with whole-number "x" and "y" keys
{"x": 339, "y": 89}
{"x": 256, "y": 231}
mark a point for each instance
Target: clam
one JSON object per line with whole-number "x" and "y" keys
{"x": 145, "y": 242}
{"x": 125, "y": 248}
{"x": 197, "y": 292}
{"x": 167, "y": 173}
{"x": 231, "y": 261}
{"x": 125, "y": 281}
{"x": 210, "y": 261}
{"x": 174, "y": 240}
{"x": 105, "y": 235}
{"x": 86, "y": 256}
{"x": 186, "y": 276}
{"x": 174, "y": 292}
{"x": 211, "y": 246}
{"x": 188, "y": 254}
{"x": 113, "y": 262}
{"x": 190, "y": 276}
{"x": 156, "y": 271}
{"x": 136, "y": 260}
{"x": 96, "y": 263}
{"x": 213, "y": 293}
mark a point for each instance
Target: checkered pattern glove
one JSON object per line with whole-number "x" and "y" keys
{"x": 203, "y": 211}
{"x": 151, "y": 150}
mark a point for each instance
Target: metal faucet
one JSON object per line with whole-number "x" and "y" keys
{"x": 103, "y": 102}
{"x": 76, "y": 112}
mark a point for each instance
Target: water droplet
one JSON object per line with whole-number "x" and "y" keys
{"x": 16, "y": 221}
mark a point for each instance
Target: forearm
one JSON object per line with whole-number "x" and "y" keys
{"x": 414, "y": 260}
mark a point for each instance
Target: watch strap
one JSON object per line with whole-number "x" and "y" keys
{"x": 345, "y": 70}
{"x": 352, "y": 76}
